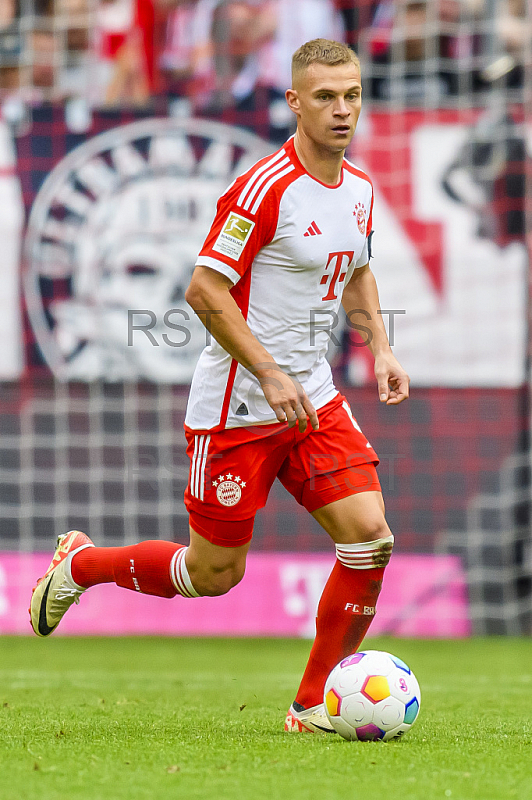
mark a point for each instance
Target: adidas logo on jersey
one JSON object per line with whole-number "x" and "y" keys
{"x": 312, "y": 230}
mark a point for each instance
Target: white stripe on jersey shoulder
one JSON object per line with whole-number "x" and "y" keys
{"x": 258, "y": 172}
{"x": 274, "y": 179}
{"x": 353, "y": 169}
{"x": 275, "y": 172}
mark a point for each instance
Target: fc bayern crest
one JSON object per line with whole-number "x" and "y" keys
{"x": 360, "y": 214}
{"x": 114, "y": 231}
{"x": 229, "y": 489}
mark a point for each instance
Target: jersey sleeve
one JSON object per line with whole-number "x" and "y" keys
{"x": 366, "y": 250}
{"x": 236, "y": 235}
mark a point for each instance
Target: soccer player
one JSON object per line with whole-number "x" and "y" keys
{"x": 289, "y": 242}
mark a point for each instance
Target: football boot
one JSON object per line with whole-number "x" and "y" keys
{"x": 55, "y": 592}
{"x": 307, "y": 720}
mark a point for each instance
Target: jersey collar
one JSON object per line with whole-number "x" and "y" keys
{"x": 290, "y": 150}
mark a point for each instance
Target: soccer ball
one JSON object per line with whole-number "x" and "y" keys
{"x": 372, "y": 695}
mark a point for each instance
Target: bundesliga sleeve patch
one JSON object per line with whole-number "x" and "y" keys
{"x": 234, "y": 235}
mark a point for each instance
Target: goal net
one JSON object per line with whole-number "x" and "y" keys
{"x": 109, "y": 199}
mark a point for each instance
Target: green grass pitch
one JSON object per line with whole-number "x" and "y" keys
{"x": 181, "y": 718}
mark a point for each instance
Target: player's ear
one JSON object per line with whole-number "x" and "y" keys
{"x": 292, "y": 98}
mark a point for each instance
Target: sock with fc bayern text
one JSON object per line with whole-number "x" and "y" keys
{"x": 151, "y": 567}
{"x": 345, "y": 612}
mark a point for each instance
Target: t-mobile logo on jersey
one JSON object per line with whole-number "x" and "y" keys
{"x": 335, "y": 272}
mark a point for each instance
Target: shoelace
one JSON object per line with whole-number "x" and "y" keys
{"x": 67, "y": 593}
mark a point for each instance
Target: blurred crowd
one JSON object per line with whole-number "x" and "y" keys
{"x": 212, "y": 54}
{"x": 434, "y": 50}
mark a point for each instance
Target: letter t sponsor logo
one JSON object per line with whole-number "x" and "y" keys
{"x": 335, "y": 272}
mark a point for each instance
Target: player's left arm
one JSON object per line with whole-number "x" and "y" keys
{"x": 360, "y": 300}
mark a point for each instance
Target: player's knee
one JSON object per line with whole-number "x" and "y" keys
{"x": 219, "y": 581}
{"x": 371, "y": 529}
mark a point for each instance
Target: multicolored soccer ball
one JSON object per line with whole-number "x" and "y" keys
{"x": 372, "y": 695}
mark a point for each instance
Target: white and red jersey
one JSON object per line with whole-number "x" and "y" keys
{"x": 290, "y": 244}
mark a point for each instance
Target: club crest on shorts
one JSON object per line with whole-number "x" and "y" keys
{"x": 360, "y": 214}
{"x": 229, "y": 489}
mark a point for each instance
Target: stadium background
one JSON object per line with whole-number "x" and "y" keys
{"x": 91, "y": 423}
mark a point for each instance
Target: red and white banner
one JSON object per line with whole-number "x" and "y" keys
{"x": 449, "y": 246}
{"x": 118, "y": 220}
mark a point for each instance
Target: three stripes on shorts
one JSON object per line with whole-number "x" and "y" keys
{"x": 198, "y": 465}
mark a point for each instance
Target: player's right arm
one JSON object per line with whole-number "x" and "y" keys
{"x": 209, "y": 295}
{"x": 240, "y": 229}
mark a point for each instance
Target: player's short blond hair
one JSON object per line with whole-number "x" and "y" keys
{"x": 322, "y": 51}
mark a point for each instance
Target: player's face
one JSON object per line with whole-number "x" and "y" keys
{"x": 327, "y": 101}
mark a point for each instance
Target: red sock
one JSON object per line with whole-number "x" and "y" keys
{"x": 143, "y": 567}
{"x": 345, "y": 612}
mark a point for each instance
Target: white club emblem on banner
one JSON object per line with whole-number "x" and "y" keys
{"x": 114, "y": 234}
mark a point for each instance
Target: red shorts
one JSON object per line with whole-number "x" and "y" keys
{"x": 232, "y": 471}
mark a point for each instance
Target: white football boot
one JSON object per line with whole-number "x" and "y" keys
{"x": 307, "y": 720}
{"x": 56, "y": 590}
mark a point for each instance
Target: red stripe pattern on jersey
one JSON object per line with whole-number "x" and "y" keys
{"x": 263, "y": 179}
{"x": 266, "y": 187}
{"x": 272, "y": 163}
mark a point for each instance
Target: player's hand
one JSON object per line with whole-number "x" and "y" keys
{"x": 286, "y": 397}
{"x": 393, "y": 382}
